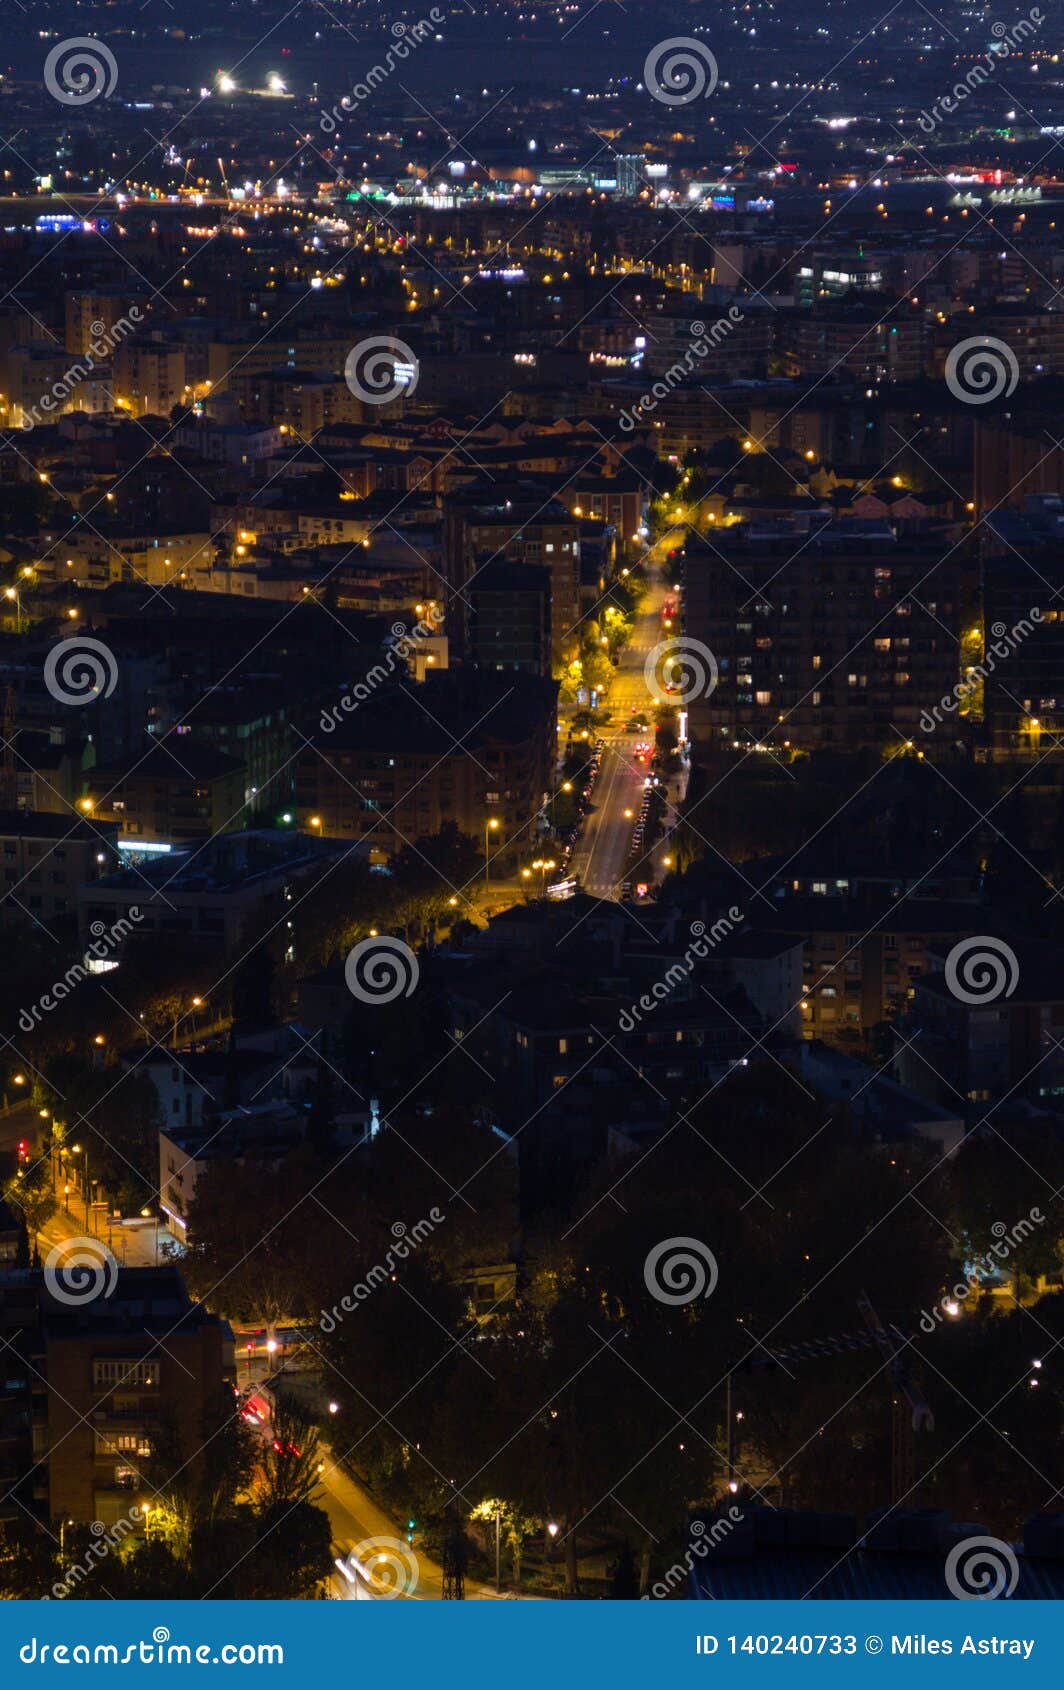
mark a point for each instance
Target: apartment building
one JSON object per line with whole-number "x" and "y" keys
{"x": 835, "y": 638}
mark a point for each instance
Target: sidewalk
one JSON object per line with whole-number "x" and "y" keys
{"x": 131, "y": 1246}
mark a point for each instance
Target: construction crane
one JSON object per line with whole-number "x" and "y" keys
{"x": 910, "y": 1413}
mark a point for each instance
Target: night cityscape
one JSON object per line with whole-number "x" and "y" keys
{"x": 531, "y": 801}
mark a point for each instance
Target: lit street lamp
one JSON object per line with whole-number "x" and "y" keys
{"x": 490, "y": 826}
{"x": 196, "y": 1003}
{"x": 566, "y": 786}
{"x": 543, "y": 864}
{"x": 13, "y": 594}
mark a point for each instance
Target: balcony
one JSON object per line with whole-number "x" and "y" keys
{"x": 121, "y": 1417}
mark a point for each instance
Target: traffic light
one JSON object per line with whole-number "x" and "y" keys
{"x": 23, "y": 1150}
{"x": 411, "y": 1526}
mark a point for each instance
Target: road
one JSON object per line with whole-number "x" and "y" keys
{"x": 359, "y": 1523}
{"x": 362, "y": 1531}
{"x": 131, "y": 1246}
{"x": 600, "y": 857}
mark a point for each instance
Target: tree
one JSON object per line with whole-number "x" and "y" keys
{"x": 115, "y": 1116}
{"x": 624, "y": 1582}
{"x": 29, "y": 1564}
{"x": 246, "y": 1228}
{"x": 287, "y": 1470}
{"x": 30, "y": 1193}
{"x": 196, "y": 1487}
{"x": 293, "y": 1552}
{"x": 1002, "y": 1186}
